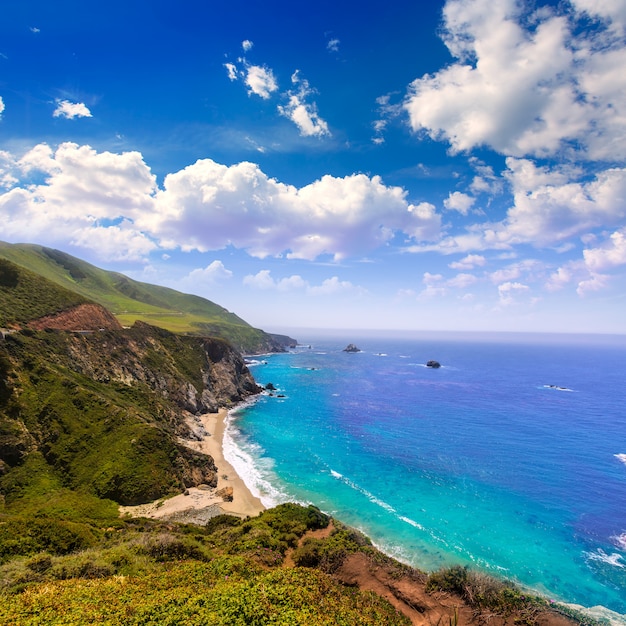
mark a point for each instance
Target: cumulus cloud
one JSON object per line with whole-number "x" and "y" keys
{"x": 260, "y": 81}
{"x": 1, "y": 106}
{"x": 460, "y": 202}
{"x": 610, "y": 255}
{"x": 461, "y": 281}
{"x": 509, "y": 291}
{"x": 299, "y": 106}
{"x": 550, "y": 207}
{"x": 438, "y": 286}
{"x": 88, "y": 199}
{"x": 212, "y": 274}
{"x": 526, "y": 84}
{"x": 263, "y": 280}
{"x": 333, "y": 286}
{"x": 469, "y": 262}
{"x": 206, "y": 206}
{"x": 71, "y": 110}
{"x": 302, "y": 113}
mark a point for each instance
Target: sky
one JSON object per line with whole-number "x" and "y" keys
{"x": 452, "y": 165}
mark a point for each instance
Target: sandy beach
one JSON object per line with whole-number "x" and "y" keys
{"x": 203, "y": 502}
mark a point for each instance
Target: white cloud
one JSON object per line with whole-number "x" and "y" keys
{"x": 333, "y": 45}
{"x": 1, "y": 106}
{"x": 469, "y": 262}
{"x": 8, "y": 168}
{"x": 206, "y": 206}
{"x": 460, "y": 202}
{"x": 114, "y": 243}
{"x": 461, "y": 281}
{"x": 564, "y": 275}
{"x": 263, "y": 280}
{"x": 529, "y": 269}
{"x": 610, "y": 255}
{"x": 246, "y": 45}
{"x": 88, "y": 199}
{"x": 302, "y": 113}
{"x": 334, "y": 286}
{"x": 526, "y": 84}
{"x": 260, "y": 81}
{"x": 596, "y": 282}
{"x": 551, "y": 208}
{"x": 70, "y": 110}
{"x": 212, "y": 274}
{"x": 232, "y": 71}
{"x": 509, "y": 291}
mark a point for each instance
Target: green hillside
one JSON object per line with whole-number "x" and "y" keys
{"x": 17, "y": 304}
{"x": 131, "y": 300}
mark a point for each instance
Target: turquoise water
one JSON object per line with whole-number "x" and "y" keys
{"x": 507, "y": 458}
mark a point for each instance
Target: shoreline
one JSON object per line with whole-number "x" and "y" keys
{"x": 203, "y": 502}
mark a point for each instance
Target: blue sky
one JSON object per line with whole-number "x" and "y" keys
{"x": 452, "y": 165}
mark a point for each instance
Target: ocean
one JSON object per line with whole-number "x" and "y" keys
{"x": 509, "y": 458}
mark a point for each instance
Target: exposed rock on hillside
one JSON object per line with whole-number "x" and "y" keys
{"x": 81, "y": 317}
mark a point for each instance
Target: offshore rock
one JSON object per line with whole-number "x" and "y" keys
{"x": 433, "y": 364}
{"x": 351, "y": 348}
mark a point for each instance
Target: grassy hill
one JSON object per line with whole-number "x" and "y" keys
{"x": 131, "y": 300}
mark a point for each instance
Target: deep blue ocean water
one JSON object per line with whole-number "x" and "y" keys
{"x": 510, "y": 458}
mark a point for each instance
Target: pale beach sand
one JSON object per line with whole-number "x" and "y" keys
{"x": 202, "y": 503}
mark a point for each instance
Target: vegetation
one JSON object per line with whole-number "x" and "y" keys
{"x": 145, "y": 572}
{"x": 17, "y": 305}
{"x": 77, "y": 281}
{"x": 102, "y": 413}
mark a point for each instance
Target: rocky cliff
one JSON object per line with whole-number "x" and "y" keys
{"x": 105, "y": 410}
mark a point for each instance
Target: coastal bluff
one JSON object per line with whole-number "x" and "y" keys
{"x": 106, "y": 411}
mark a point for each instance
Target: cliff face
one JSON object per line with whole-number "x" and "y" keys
{"x": 105, "y": 410}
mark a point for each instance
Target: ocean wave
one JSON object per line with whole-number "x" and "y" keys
{"x": 615, "y": 559}
{"x": 620, "y": 541}
{"x": 556, "y": 388}
{"x": 370, "y": 496}
{"x": 621, "y": 457}
{"x": 413, "y": 523}
{"x": 250, "y": 465}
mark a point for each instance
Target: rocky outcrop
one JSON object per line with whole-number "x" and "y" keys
{"x": 196, "y": 374}
{"x": 433, "y": 364}
{"x": 108, "y": 410}
{"x": 86, "y": 317}
{"x": 283, "y": 341}
{"x": 351, "y": 348}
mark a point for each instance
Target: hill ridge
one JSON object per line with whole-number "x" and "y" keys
{"x": 130, "y": 300}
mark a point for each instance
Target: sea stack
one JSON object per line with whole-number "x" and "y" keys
{"x": 433, "y": 364}
{"x": 351, "y": 348}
